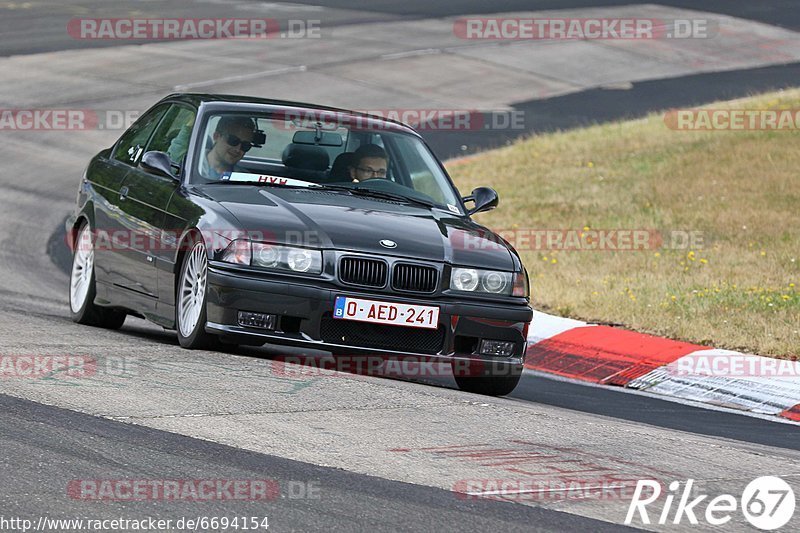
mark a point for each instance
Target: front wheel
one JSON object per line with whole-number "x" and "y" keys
{"x": 82, "y": 289}
{"x": 190, "y": 309}
{"x": 487, "y": 378}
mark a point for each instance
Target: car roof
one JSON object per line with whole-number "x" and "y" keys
{"x": 233, "y": 102}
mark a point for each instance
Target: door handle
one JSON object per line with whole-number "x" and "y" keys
{"x": 123, "y": 193}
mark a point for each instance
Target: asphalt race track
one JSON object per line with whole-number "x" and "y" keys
{"x": 344, "y": 452}
{"x": 30, "y": 27}
{"x": 45, "y": 440}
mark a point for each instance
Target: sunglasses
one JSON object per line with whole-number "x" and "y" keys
{"x": 233, "y": 140}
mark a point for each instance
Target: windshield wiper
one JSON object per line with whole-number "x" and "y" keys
{"x": 393, "y": 196}
{"x": 384, "y": 195}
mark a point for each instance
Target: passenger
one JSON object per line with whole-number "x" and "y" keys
{"x": 232, "y": 139}
{"x": 180, "y": 144}
{"x": 369, "y": 161}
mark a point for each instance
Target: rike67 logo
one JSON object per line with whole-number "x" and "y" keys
{"x": 767, "y": 503}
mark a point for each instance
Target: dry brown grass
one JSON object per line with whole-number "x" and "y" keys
{"x": 741, "y": 190}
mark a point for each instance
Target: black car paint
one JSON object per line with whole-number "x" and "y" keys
{"x": 116, "y": 196}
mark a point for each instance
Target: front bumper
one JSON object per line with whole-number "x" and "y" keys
{"x": 305, "y": 320}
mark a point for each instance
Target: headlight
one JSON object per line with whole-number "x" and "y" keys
{"x": 489, "y": 282}
{"x": 266, "y": 256}
{"x": 274, "y": 256}
{"x": 238, "y": 252}
{"x": 300, "y": 260}
{"x": 494, "y": 282}
{"x": 465, "y": 279}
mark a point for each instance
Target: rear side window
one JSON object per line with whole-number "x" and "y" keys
{"x": 131, "y": 145}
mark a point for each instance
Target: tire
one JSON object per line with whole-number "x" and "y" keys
{"x": 190, "y": 300}
{"x": 82, "y": 288}
{"x": 488, "y": 379}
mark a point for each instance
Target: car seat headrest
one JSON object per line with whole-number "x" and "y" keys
{"x": 305, "y": 157}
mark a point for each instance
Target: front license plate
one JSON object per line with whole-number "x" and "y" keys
{"x": 396, "y": 314}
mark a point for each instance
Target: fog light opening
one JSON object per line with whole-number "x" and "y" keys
{"x": 257, "y": 320}
{"x": 498, "y": 348}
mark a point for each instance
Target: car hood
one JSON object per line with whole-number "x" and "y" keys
{"x": 334, "y": 220}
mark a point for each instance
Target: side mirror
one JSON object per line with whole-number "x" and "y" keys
{"x": 485, "y": 199}
{"x": 159, "y": 163}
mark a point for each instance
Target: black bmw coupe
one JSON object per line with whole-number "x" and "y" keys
{"x": 252, "y": 221}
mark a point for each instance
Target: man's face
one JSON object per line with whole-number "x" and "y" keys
{"x": 227, "y": 153}
{"x": 369, "y": 167}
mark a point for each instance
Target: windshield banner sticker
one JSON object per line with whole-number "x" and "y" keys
{"x": 264, "y": 178}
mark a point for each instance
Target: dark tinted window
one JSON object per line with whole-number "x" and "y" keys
{"x": 131, "y": 145}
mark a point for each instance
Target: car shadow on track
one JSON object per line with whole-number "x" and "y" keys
{"x": 308, "y": 363}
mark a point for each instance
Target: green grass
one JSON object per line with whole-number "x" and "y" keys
{"x": 739, "y": 191}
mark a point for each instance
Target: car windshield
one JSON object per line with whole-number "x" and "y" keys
{"x": 350, "y": 154}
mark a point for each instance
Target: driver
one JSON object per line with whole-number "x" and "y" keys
{"x": 369, "y": 161}
{"x": 232, "y": 139}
